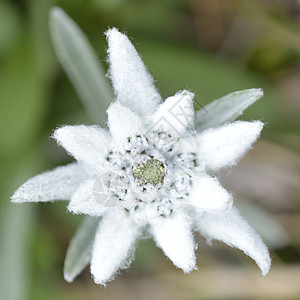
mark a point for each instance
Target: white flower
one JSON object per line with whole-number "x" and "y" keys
{"x": 151, "y": 174}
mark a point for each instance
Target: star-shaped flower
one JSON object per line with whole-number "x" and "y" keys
{"x": 152, "y": 174}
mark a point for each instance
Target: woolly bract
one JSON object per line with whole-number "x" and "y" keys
{"x": 153, "y": 173}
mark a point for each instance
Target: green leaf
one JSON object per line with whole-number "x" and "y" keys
{"x": 81, "y": 64}
{"x": 226, "y": 109}
{"x": 16, "y": 229}
{"x": 15, "y": 232}
{"x": 80, "y": 249}
{"x": 10, "y": 26}
{"x": 23, "y": 108}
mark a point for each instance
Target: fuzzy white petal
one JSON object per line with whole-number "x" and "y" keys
{"x": 173, "y": 235}
{"x": 231, "y": 228}
{"x": 123, "y": 122}
{"x": 58, "y": 184}
{"x": 207, "y": 194}
{"x": 85, "y": 143}
{"x": 224, "y": 146}
{"x": 175, "y": 115}
{"x": 132, "y": 83}
{"x": 84, "y": 202}
{"x": 114, "y": 245}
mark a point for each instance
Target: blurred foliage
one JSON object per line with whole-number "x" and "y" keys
{"x": 211, "y": 47}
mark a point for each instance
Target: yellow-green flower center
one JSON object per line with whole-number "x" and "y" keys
{"x": 152, "y": 171}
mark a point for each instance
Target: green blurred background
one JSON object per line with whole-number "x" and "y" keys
{"x": 210, "y": 47}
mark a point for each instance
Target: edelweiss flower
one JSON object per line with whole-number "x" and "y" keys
{"x": 152, "y": 174}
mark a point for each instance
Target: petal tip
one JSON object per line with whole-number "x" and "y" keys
{"x": 256, "y": 93}
{"x": 189, "y": 269}
{"x": 114, "y": 107}
{"x": 116, "y": 38}
{"x": 101, "y": 277}
{"x": 209, "y": 195}
{"x": 18, "y": 196}
{"x": 187, "y": 93}
{"x": 13, "y": 199}
{"x": 69, "y": 278}
{"x": 265, "y": 265}
{"x": 254, "y": 129}
{"x": 111, "y": 31}
{"x": 72, "y": 208}
{"x": 56, "y": 11}
{"x": 99, "y": 282}
{"x": 58, "y": 132}
{"x": 260, "y": 92}
{"x": 259, "y": 124}
{"x": 265, "y": 271}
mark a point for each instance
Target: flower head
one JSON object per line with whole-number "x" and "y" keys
{"x": 153, "y": 172}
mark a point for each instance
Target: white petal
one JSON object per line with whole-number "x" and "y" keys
{"x": 231, "y": 228}
{"x": 84, "y": 202}
{"x": 208, "y": 194}
{"x": 224, "y": 146}
{"x": 114, "y": 246}
{"x": 173, "y": 235}
{"x": 132, "y": 83}
{"x": 175, "y": 115}
{"x": 85, "y": 143}
{"x": 58, "y": 184}
{"x": 123, "y": 123}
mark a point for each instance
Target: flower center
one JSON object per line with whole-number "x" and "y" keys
{"x": 153, "y": 172}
